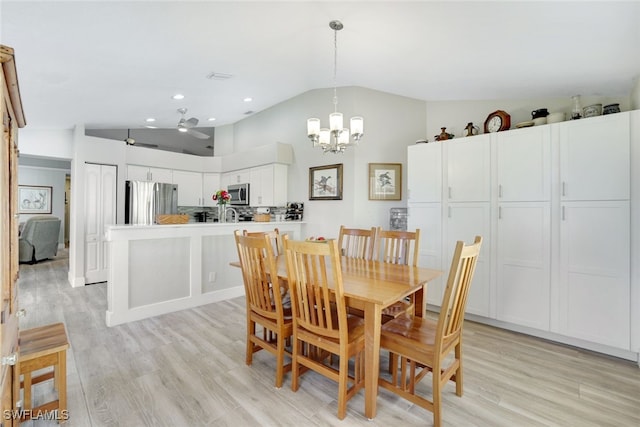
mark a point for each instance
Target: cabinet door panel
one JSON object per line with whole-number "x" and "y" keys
{"x": 189, "y": 188}
{"x": 524, "y": 164}
{"x": 161, "y": 175}
{"x": 594, "y": 289}
{"x": 137, "y": 173}
{"x": 468, "y": 169}
{"x": 210, "y": 184}
{"x": 464, "y": 222}
{"x": 523, "y": 264}
{"x": 424, "y": 172}
{"x": 428, "y": 218}
{"x": 594, "y": 158}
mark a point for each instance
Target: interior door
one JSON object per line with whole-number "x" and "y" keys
{"x": 100, "y": 210}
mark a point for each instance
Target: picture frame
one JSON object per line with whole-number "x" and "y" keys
{"x": 34, "y": 199}
{"x": 325, "y": 182}
{"x": 385, "y": 181}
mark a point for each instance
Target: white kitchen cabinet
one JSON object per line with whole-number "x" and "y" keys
{"x": 523, "y": 261}
{"x": 464, "y": 221}
{"x": 146, "y": 173}
{"x": 210, "y": 184}
{"x": 523, "y": 164}
{"x": 594, "y": 274}
{"x": 424, "y": 172}
{"x": 594, "y": 158}
{"x": 428, "y": 218}
{"x": 189, "y": 187}
{"x": 242, "y": 176}
{"x": 468, "y": 169}
{"x": 268, "y": 185}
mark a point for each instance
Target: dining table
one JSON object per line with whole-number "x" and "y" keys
{"x": 371, "y": 286}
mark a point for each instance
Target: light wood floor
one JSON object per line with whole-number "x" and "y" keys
{"x": 187, "y": 369}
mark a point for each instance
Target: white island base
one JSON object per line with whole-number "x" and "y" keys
{"x": 159, "y": 269}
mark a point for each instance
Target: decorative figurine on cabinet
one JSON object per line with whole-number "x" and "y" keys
{"x": 470, "y": 130}
{"x": 444, "y": 135}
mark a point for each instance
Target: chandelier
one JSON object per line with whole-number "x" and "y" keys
{"x": 336, "y": 138}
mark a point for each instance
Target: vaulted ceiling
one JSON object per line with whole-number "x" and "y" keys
{"x": 111, "y": 65}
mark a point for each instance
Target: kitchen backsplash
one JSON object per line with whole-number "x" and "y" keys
{"x": 245, "y": 213}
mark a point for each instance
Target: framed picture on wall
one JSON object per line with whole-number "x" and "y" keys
{"x": 385, "y": 181}
{"x": 325, "y": 182}
{"x": 34, "y": 199}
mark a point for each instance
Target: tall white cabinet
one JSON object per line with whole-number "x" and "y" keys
{"x": 594, "y": 240}
{"x": 553, "y": 204}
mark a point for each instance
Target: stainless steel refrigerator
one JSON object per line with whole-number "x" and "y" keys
{"x": 144, "y": 200}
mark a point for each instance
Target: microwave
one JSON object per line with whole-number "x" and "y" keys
{"x": 239, "y": 194}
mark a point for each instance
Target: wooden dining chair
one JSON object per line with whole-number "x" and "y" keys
{"x": 320, "y": 319}
{"x": 356, "y": 242}
{"x": 264, "y": 302}
{"x": 424, "y": 344}
{"x": 274, "y": 236}
{"x": 397, "y": 247}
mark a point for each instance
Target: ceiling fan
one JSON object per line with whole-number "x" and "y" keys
{"x": 130, "y": 141}
{"x": 187, "y": 125}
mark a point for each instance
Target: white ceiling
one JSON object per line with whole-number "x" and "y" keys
{"x": 112, "y": 64}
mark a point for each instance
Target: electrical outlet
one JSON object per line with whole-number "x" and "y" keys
{"x": 212, "y": 276}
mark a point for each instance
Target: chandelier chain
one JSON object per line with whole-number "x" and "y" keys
{"x": 335, "y": 70}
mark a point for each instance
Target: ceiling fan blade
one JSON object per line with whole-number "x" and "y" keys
{"x": 192, "y": 122}
{"x": 198, "y": 134}
{"x": 142, "y": 144}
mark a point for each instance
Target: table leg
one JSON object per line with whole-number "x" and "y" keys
{"x": 372, "y": 325}
{"x": 420, "y": 302}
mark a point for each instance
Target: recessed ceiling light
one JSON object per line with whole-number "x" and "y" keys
{"x": 150, "y": 120}
{"x": 248, "y": 99}
{"x": 211, "y": 119}
{"x": 151, "y": 127}
{"x": 178, "y": 96}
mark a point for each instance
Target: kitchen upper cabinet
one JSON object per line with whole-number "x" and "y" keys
{"x": 468, "y": 169}
{"x": 523, "y": 274}
{"x": 146, "y": 173}
{"x": 594, "y": 286}
{"x": 523, "y": 164}
{"x": 268, "y": 185}
{"x": 594, "y": 158}
{"x": 424, "y": 172}
{"x": 210, "y": 184}
{"x": 236, "y": 177}
{"x": 189, "y": 187}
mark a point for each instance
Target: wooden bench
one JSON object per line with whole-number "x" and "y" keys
{"x": 43, "y": 347}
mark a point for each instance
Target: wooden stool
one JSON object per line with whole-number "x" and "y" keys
{"x": 43, "y": 347}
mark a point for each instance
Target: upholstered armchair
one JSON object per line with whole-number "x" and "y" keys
{"x": 39, "y": 238}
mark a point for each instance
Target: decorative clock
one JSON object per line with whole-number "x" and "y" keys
{"x": 497, "y": 121}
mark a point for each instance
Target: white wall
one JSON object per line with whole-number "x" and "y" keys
{"x": 28, "y": 175}
{"x": 391, "y": 124}
{"x": 635, "y": 94}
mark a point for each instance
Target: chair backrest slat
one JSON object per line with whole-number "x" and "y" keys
{"x": 260, "y": 275}
{"x": 315, "y": 285}
{"x": 455, "y": 296}
{"x": 356, "y": 242}
{"x": 274, "y": 236}
{"x": 397, "y": 247}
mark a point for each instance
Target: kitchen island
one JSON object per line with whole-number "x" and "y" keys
{"x": 158, "y": 269}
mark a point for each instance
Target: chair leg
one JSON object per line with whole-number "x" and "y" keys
{"x": 437, "y": 393}
{"x": 280, "y": 361}
{"x": 342, "y": 387}
{"x": 458, "y": 374}
{"x": 251, "y": 330}
{"x": 295, "y": 368}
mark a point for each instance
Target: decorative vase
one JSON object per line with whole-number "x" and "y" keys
{"x": 222, "y": 212}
